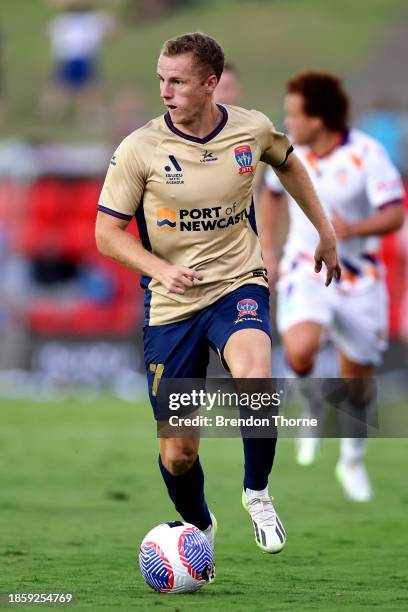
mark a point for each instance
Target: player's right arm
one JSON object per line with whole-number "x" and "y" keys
{"x": 121, "y": 193}
{"x": 115, "y": 242}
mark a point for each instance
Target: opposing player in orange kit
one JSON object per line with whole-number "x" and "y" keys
{"x": 362, "y": 193}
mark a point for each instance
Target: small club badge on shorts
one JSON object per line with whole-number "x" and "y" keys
{"x": 243, "y": 155}
{"x": 247, "y": 307}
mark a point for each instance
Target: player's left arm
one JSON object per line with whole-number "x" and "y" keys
{"x": 385, "y": 192}
{"x": 389, "y": 219}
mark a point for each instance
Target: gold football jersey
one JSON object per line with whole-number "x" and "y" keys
{"x": 192, "y": 199}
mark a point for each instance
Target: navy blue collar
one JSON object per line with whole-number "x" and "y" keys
{"x": 204, "y": 140}
{"x": 346, "y": 138}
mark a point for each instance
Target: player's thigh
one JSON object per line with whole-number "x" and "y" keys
{"x": 248, "y": 354}
{"x": 351, "y": 369}
{"x": 176, "y": 350}
{"x": 304, "y": 308}
{"x": 239, "y": 330}
{"x": 302, "y": 298}
{"x": 360, "y": 328}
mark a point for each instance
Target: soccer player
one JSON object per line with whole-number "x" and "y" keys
{"x": 362, "y": 194}
{"x": 187, "y": 178}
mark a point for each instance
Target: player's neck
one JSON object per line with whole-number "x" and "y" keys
{"x": 202, "y": 124}
{"x": 325, "y": 142}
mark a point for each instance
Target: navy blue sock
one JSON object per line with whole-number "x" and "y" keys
{"x": 259, "y": 454}
{"x": 187, "y": 493}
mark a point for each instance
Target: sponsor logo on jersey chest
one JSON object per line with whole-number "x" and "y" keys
{"x": 342, "y": 176}
{"x": 207, "y": 156}
{"x": 200, "y": 219}
{"x": 174, "y": 172}
{"x": 166, "y": 220}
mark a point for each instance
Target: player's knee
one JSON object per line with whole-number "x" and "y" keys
{"x": 301, "y": 359}
{"x": 179, "y": 460}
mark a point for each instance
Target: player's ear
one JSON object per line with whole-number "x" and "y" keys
{"x": 211, "y": 83}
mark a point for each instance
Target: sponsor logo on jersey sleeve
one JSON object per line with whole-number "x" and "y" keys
{"x": 389, "y": 186}
{"x": 243, "y": 156}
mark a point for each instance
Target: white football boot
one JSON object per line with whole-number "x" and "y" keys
{"x": 211, "y": 531}
{"x": 270, "y": 535}
{"x": 354, "y": 480}
{"x": 210, "y": 535}
{"x": 307, "y": 450}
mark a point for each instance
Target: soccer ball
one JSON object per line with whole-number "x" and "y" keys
{"x": 176, "y": 557}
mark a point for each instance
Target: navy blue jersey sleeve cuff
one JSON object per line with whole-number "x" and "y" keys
{"x": 288, "y": 152}
{"x": 114, "y": 213}
{"x": 395, "y": 202}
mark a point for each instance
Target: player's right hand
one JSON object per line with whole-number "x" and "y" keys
{"x": 177, "y": 279}
{"x": 326, "y": 252}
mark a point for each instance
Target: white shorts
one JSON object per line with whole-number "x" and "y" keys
{"x": 357, "y": 320}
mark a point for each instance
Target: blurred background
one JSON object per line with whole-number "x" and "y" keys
{"x": 79, "y": 480}
{"x": 75, "y": 78}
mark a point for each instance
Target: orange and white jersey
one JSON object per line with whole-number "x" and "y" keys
{"x": 354, "y": 180}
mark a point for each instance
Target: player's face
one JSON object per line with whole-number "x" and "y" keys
{"x": 183, "y": 89}
{"x": 301, "y": 127}
{"x": 228, "y": 90}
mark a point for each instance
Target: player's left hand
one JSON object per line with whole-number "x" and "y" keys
{"x": 343, "y": 230}
{"x": 327, "y": 252}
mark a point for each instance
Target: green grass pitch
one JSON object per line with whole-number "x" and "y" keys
{"x": 80, "y": 488}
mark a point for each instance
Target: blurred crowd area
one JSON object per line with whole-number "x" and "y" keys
{"x": 68, "y": 316}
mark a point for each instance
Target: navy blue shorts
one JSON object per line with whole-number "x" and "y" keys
{"x": 181, "y": 350}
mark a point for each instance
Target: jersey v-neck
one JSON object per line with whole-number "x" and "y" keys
{"x": 207, "y": 138}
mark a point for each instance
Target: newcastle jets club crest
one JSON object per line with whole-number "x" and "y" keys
{"x": 243, "y": 155}
{"x": 247, "y": 307}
